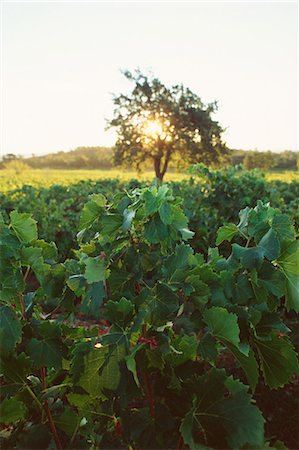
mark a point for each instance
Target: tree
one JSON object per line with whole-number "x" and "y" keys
{"x": 258, "y": 160}
{"x": 155, "y": 123}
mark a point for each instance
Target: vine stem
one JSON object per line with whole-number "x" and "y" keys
{"x": 26, "y": 273}
{"x": 48, "y": 412}
{"x": 180, "y": 443}
{"x": 248, "y": 242}
{"x": 22, "y": 303}
{"x": 33, "y": 396}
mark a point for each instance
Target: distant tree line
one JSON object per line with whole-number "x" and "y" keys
{"x": 80, "y": 158}
{"x": 252, "y": 159}
{"x": 102, "y": 158}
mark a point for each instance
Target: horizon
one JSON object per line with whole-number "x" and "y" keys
{"x": 61, "y": 61}
{"x": 33, "y": 155}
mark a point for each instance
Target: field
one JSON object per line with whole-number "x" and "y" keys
{"x": 44, "y": 178}
{"x": 141, "y": 316}
{"x": 10, "y": 180}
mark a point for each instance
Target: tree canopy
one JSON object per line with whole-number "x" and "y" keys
{"x": 157, "y": 123}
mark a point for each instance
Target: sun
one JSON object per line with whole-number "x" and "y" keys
{"x": 152, "y": 128}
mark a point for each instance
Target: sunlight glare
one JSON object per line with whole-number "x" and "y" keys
{"x": 152, "y": 129}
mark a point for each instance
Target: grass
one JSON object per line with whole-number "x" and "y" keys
{"x": 11, "y": 179}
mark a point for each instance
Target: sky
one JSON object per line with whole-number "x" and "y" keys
{"x": 61, "y": 62}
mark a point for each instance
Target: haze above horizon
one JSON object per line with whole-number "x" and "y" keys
{"x": 62, "y": 61}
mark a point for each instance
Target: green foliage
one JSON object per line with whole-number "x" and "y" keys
{"x": 211, "y": 201}
{"x": 124, "y": 343}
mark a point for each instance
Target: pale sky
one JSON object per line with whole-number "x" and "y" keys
{"x": 61, "y": 62}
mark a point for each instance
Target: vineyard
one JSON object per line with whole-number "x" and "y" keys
{"x": 150, "y": 316}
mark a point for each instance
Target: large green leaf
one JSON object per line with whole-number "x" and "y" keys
{"x": 128, "y": 215}
{"x": 292, "y": 294}
{"x": 183, "y": 348}
{"x": 150, "y": 202}
{"x": 207, "y": 348}
{"x": 165, "y": 213}
{"x": 242, "y": 420}
{"x": 101, "y": 370}
{"x": 226, "y": 233}
{"x": 269, "y": 322}
{"x": 120, "y": 312}
{"x": 24, "y": 226}
{"x": 92, "y": 211}
{"x": 220, "y": 421}
{"x": 16, "y": 368}
{"x": 270, "y": 245}
{"x": 282, "y": 224}
{"x": 31, "y": 256}
{"x": 155, "y": 231}
{"x": 12, "y": 410}
{"x": 10, "y": 330}
{"x": 111, "y": 223}
{"x": 259, "y": 220}
{"x": 92, "y": 299}
{"x": 288, "y": 261}
{"x": 250, "y": 258}
{"x": 49, "y": 250}
{"x": 160, "y": 303}
{"x": 272, "y": 279}
{"x": 45, "y": 353}
{"x": 68, "y": 421}
{"x": 176, "y": 266}
{"x": 223, "y": 325}
{"x": 278, "y": 360}
{"x": 95, "y": 270}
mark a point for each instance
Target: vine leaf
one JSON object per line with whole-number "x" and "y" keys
{"x": 226, "y": 233}
{"x": 165, "y": 213}
{"x": 270, "y": 245}
{"x": 95, "y": 270}
{"x": 215, "y": 418}
{"x": 278, "y": 361}
{"x": 101, "y": 370}
{"x": 24, "y": 226}
{"x": 10, "y": 330}
{"x": 45, "y": 353}
{"x": 248, "y": 364}
{"x": 91, "y": 211}
{"x": 223, "y": 325}
{"x": 288, "y": 262}
{"x": 12, "y": 410}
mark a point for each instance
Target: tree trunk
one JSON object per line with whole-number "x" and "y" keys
{"x": 158, "y": 160}
{"x": 165, "y": 165}
{"x": 157, "y": 166}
